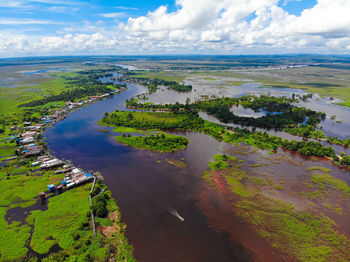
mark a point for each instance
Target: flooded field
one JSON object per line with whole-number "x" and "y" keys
{"x": 219, "y": 86}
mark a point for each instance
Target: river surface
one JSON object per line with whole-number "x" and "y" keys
{"x": 148, "y": 188}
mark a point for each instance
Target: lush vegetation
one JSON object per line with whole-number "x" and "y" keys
{"x": 159, "y": 120}
{"x": 161, "y": 143}
{"x": 264, "y": 140}
{"x": 280, "y": 112}
{"x": 190, "y": 120}
{"x": 336, "y": 140}
{"x": 345, "y": 161}
{"x": 306, "y": 131}
{"x": 298, "y": 234}
{"x": 154, "y": 120}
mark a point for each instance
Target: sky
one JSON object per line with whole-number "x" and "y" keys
{"x": 153, "y": 27}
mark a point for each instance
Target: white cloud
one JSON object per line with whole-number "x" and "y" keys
{"x": 207, "y": 26}
{"x": 114, "y": 15}
{"x": 62, "y": 9}
{"x": 126, "y": 8}
{"x": 26, "y": 21}
{"x": 31, "y": 4}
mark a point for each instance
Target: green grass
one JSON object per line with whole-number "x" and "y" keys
{"x": 256, "y": 165}
{"x": 20, "y": 190}
{"x": 12, "y": 238}
{"x": 318, "y": 168}
{"x": 10, "y": 98}
{"x": 221, "y": 162}
{"x": 123, "y": 129}
{"x": 65, "y": 215}
{"x": 324, "y": 180}
{"x": 279, "y": 187}
{"x": 7, "y": 149}
{"x": 258, "y": 181}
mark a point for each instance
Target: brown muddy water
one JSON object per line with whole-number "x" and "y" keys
{"x": 148, "y": 189}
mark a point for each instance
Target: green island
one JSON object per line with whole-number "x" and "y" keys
{"x": 280, "y": 113}
{"x": 153, "y": 83}
{"x": 188, "y": 119}
{"x": 298, "y": 234}
{"x": 62, "y": 231}
{"x": 160, "y": 143}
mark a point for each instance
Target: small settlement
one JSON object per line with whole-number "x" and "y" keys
{"x": 30, "y": 146}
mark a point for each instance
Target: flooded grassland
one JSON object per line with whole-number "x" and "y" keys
{"x": 193, "y": 205}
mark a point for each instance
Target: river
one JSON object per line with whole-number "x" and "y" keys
{"x": 148, "y": 189}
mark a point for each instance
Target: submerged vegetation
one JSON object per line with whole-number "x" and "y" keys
{"x": 298, "y": 234}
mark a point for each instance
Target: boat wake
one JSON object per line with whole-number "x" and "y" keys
{"x": 175, "y": 213}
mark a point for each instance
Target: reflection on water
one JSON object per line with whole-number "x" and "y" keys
{"x": 246, "y": 112}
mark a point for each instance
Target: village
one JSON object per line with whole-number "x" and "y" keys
{"x": 31, "y": 147}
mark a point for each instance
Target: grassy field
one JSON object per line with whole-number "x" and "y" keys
{"x": 10, "y": 98}
{"x": 13, "y": 238}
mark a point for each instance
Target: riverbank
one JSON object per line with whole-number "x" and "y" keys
{"x": 54, "y": 226}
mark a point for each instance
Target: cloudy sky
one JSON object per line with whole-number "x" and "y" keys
{"x": 124, "y": 27}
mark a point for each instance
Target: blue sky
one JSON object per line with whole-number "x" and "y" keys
{"x": 54, "y": 27}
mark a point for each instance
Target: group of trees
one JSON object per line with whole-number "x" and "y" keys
{"x": 288, "y": 114}
{"x": 266, "y": 141}
{"x": 100, "y": 200}
{"x": 99, "y": 206}
{"x": 345, "y": 161}
{"x": 306, "y": 131}
{"x": 152, "y": 84}
{"x": 191, "y": 121}
{"x": 162, "y": 143}
{"x": 155, "y": 120}
{"x": 338, "y": 141}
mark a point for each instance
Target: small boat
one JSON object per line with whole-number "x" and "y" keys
{"x": 175, "y": 213}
